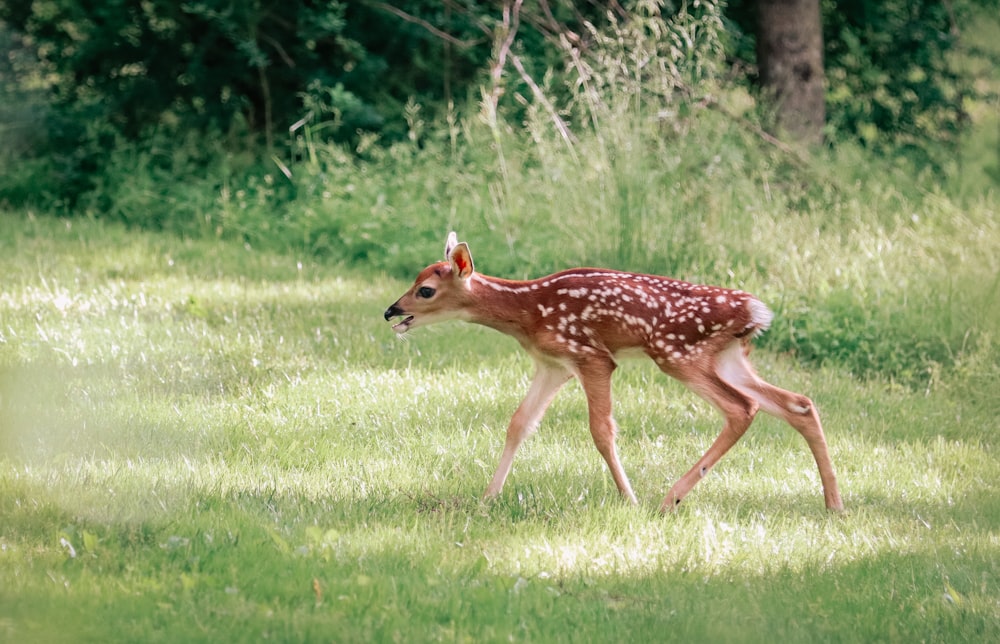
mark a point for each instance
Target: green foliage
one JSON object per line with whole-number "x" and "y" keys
{"x": 891, "y": 76}
{"x": 134, "y": 69}
{"x": 142, "y": 64}
{"x": 891, "y": 83}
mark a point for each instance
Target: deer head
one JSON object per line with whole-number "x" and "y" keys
{"x": 440, "y": 291}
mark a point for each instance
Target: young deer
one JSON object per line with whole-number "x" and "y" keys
{"x": 581, "y": 321}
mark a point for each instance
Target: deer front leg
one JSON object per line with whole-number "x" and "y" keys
{"x": 595, "y": 377}
{"x": 549, "y": 377}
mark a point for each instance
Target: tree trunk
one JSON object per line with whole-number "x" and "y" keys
{"x": 790, "y": 60}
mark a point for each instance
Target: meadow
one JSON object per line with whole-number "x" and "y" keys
{"x": 202, "y": 441}
{"x": 209, "y": 433}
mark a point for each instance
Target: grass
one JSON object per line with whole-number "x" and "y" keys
{"x": 202, "y": 442}
{"x": 218, "y": 437}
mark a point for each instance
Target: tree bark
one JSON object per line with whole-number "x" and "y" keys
{"x": 790, "y": 61}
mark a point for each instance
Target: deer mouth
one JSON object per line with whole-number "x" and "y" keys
{"x": 396, "y": 312}
{"x": 403, "y": 325}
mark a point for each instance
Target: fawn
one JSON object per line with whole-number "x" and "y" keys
{"x": 579, "y": 322}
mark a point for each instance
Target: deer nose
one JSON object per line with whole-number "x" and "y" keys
{"x": 392, "y": 312}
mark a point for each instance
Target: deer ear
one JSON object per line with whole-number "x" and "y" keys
{"x": 461, "y": 260}
{"x": 450, "y": 244}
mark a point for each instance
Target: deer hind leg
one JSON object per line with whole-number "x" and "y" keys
{"x": 800, "y": 412}
{"x": 549, "y": 378}
{"x": 795, "y": 409}
{"x": 739, "y": 411}
{"x": 595, "y": 377}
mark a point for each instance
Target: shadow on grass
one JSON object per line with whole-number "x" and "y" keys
{"x": 270, "y": 563}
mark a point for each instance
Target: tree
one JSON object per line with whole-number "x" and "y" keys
{"x": 891, "y": 82}
{"x": 790, "y": 62}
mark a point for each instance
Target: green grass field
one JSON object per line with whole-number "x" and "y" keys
{"x": 200, "y": 442}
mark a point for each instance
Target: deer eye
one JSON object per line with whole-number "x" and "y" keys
{"x": 425, "y": 292}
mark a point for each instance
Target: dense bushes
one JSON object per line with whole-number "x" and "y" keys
{"x": 127, "y": 70}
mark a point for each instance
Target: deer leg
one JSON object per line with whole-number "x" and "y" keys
{"x": 548, "y": 379}
{"x": 596, "y": 381}
{"x": 739, "y": 411}
{"x": 800, "y": 412}
{"x": 795, "y": 409}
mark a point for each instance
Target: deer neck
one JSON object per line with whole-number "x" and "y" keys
{"x": 509, "y": 306}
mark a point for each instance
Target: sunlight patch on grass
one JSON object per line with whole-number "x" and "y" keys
{"x": 219, "y": 445}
